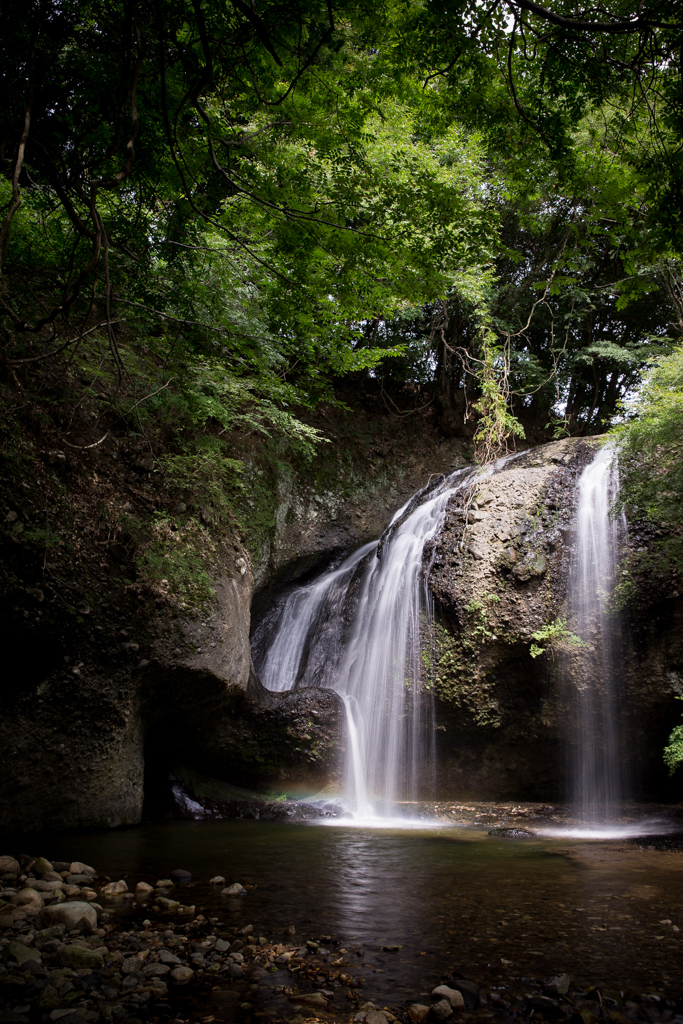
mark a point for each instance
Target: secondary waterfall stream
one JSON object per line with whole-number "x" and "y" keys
{"x": 358, "y": 629}
{"x": 597, "y": 780}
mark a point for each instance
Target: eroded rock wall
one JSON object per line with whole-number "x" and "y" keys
{"x": 499, "y": 576}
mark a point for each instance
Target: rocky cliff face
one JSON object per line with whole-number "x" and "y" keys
{"x": 114, "y": 680}
{"x": 126, "y": 611}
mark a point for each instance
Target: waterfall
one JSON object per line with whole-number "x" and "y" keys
{"x": 358, "y": 629}
{"x": 592, "y": 673}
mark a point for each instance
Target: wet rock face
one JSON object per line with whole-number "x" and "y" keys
{"x": 499, "y": 574}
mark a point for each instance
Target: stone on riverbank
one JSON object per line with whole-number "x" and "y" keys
{"x": 234, "y": 890}
{"x": 21, "y": 953}
{"x": 418, "y": 1012}
{"x": 166, "y": 904}
{"x": 78, "y": 957}
{"x": 9, "y": 866}
{"x": 143, "y": 889}
{"x": 442, "y": 1010}
{"x": 114, "y": 888}
{"x": 181, "y": 975}
{"x": 77, "y": 867}
{"x": 316, "y": 1000}
{"x": 70, "y": 914}
{"x": 452, "y": 995}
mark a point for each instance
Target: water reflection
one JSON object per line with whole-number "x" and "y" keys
{"x": 453, "y": 898}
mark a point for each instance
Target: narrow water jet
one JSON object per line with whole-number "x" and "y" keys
{"x": 358, "y": 629}
{"x": 598, "y": 783}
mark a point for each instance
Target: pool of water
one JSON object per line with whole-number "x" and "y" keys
{"x": 496, "y": 910}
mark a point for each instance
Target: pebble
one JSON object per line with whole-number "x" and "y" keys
{"x": 181, "y": 975}
{"x": 217, "y": 880}
{"x": 180, "y": 875}
{"x": 21, "y": 953}
{"x": 77, "y": 957}
{"x": 418, "y": 1011}
{"x": 114, "y": 888}
{"x": 234, "y": 890}
{"x": 442, "y": 1009}
{"x": 559, "y": 984}
{"x": 155, "y": 970}
{"x": 166, "y": 904}
{"x": 316, "y": 1000}
{"x": 143, "y": 889}
{"x": 77, "y": 867}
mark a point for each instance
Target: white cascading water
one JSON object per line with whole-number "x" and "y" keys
{"x": 596, "y": 743}
{"x": 358, "y": 630}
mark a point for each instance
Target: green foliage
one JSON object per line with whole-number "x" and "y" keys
{"x": 257, "y": 202}
{"x": 650, "y": 447}
{"x": 175, "y": 563}
{"x": 479, "y": 628}
{"x": 554, "y": 636}
{"x": 673, "y": 752}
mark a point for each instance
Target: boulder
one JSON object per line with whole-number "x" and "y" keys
{"x": 70, "y": 914}
{"x": 41, "y": 866}
{"x": 234, "y": 890}
{"x": 180, "y": 875}
{"x": 217, "y": 880}
{"x": 9, "y": 866}
{"x": 418, "y": 1012}
{"x": 143, "y": 889}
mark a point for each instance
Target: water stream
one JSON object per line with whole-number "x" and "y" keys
{"x": 596, "y": 744}
{"x": 358, "y": 629}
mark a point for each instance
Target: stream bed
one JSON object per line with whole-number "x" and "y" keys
{"x": 505, "y": 913}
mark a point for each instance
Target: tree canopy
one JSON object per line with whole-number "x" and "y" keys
{"x": 477, "y": 205}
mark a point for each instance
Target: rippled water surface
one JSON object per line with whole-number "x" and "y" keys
{"x": 492, "y": 908}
